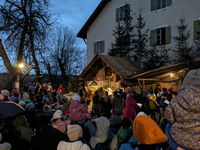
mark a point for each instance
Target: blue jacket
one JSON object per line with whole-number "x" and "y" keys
{"x": 170, "y": 141}
{"x": 127, "y": 146}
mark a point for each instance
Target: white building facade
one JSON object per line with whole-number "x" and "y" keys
{"x": 160, "y": 16}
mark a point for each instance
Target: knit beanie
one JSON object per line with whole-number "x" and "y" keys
{"x": 5, "y": 92}
{"x": 22, "y": 103}
{"x": 47, "y": 108}
{"x": 146, "y": 131}
{"x": 192, "y": 78}
{"x": 19, "y": 121}
{"x": 74, "y": 132}
{"x": 76, "y": 97}
{"x": 29, "y": 106}
{"x": 14, "y": 91}
{"x": 102, "y": 122}
{"x": 57, "y": 114}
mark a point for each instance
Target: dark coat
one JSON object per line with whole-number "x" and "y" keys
{"x": 96, "y": 99}
{"x": 47, "y": 138}
{"x": 106, "y": 107}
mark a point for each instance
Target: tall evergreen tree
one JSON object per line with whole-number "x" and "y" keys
{"x": 140, "y": 40}
{"x": 156, "y": 57}
{"x": 123, "y": 34}
{"x": 183, "y": 52}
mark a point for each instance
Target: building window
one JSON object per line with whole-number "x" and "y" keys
{"x": 99, "y": 47}
{"x": 121, "y": 12}
{"x": 159, "y": 4}
{"x": 160, "y": 36}
{"x": 196, "y": 32}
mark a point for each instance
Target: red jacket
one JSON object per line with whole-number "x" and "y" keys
{"x": 61, "y": 89}
{"x": 78, "y": 111}
{"x": 129, "y": 111}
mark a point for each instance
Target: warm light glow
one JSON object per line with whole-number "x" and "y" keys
{"x": 171, "y": 75}
{"x": 21, "y": 66}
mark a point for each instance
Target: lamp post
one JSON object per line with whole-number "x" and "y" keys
{"x": 17, "y": 83}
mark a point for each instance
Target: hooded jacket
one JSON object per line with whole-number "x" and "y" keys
{"x": 78, "y": 111}
{"x": 78, "y": 145}
{"x": 129, "y": 111}
{"x": 184, "y": 114}
{"x": 124, "y": 135}
{"x": 61, "y": 89}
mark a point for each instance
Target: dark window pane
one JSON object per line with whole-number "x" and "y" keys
{"x": 163, "y": 3}
{"x": 158, "y": 4}
{"x": 163, "y": 36}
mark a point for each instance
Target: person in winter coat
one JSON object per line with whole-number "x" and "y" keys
{"x": 78, "y": 111}
{"x": 104, "y": 138}
{"x": 124, "y": 134}
{"x": 147, "y": 133}
{"x": 184, "y": 112}
{"x": 4, "y": 96}
{"x": 75, "y": 134}
{"x": 162, "y": 104}
{"x": 37, "y": 88}
{"x": 152, "y": 105}
{"x": 61, "y": 89}
{"x": 46, "y": 137}
{"x": 115, "y": 123}
{"x": 58, "y": 123}
{"x": 125, "y": 95}
{"x": 129, "y": 111}
{"x": 25, "y": 98}
{"x": 96, "y": 103}
{"x": 106, "y": 105}
{"x": 116, "y": 104}
{"x": 169, "y": 94}
{"x": 20, "y": 124}
{"x": 5, "y": 145}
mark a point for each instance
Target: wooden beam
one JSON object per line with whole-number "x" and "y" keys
{"x": 81, "y": 79}
{"x": 139, "y": 83}
{"x": 149, "y": 79}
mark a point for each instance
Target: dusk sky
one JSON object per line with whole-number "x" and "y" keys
{"x": 74, "y": 13}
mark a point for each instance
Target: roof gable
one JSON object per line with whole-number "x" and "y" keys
{"x": 121, "y": 66}
{"x": 83, "y": 32}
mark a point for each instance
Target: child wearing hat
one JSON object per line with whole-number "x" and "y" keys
{"x": 78, "y": 111}
{"x": 183, "y": 113}
{"x": 147, "y": 133}
{"x": 58, "y": 123}
{"x": 75, "y": 134}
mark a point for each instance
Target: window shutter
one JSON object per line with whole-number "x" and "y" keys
{"x": 103, "y": 46}
{"x": 196, "y": 30}
{"x": 153, "y": 5}
{"x": 167, "y": 35}
{"x": 117, "y": 14}
{"x": 95, "y": 47}
{"x": 129, "y": 8}
{"x": 152, "y": 37}
{"x": 168, "y": 2}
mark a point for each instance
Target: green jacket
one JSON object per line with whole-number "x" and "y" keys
{"x": 124, "y": 135}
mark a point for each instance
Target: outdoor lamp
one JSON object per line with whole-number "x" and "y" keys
{"x": 21, "y": 65}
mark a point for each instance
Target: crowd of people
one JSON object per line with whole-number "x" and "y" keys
{"x": 135, "y": 119}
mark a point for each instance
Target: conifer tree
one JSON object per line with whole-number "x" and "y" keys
{"x": 123, "y": 34}
{"x": 183, "y": 52}
{"x": 140, "y": 40}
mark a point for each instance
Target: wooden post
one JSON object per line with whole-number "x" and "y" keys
{"x": 143, "y": 85}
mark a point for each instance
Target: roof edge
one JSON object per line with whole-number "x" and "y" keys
{"x": 83, "y": 32}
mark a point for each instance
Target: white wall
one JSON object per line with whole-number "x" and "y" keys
{"x": 102, "y": 27}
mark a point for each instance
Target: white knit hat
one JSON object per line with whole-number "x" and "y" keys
{"x": 5, "y": 92}
{"x": 102, "y": 122}
{"x": 192, "y": 78}
{"x": 57, "y": 114}
{"x": 76, "y": 97}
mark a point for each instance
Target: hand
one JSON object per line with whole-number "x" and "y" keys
{"x": 179, "y": 148}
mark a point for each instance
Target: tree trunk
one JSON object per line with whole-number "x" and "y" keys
{"x": 37, "y": 68}
{"x": 6, "y": 61}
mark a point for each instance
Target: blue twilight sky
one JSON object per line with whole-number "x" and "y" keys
{"x": 74, "y": 13}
